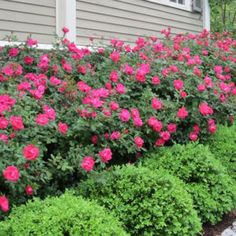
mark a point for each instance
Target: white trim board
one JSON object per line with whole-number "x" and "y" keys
{"x": 40, "y": 45}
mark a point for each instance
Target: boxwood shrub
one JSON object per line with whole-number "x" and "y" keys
{"x": 223, "y": 145}
{"x": 61, "y": 216}
{"x": 147, "y": 202}
{"x": 213, "y": 191}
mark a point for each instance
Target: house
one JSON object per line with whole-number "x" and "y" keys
{"x": 100, "y": 19}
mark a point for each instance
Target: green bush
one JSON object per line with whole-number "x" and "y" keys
{"x": 64, "y": 215}
{"x": 147, "y": 202}
{"x": 212, "y": 189}
{"x": 223, "y": 146}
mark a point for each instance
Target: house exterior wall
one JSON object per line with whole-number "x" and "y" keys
{"x": 24, "y": 17}
{"x": 129, "y": 19}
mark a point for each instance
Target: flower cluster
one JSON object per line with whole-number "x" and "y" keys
{"x": 67, "y": 111}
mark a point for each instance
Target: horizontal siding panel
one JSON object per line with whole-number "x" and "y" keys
{"x": 22, "y": 36}
{"x": 27, "y": 18}
{"x": 47, "y": 3}
{"x": 129, "y": 22}
{"x": 102, "y": 26}
{"x": 28, "y": 8}
{"x": 173, "y": 14}
{"x": 160, "y": 7}
{"x": 28, "y": 28}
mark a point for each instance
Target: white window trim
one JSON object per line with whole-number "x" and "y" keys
{"x": 187, "y": 6}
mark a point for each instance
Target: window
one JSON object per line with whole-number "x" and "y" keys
{"x": 181, "y": 4}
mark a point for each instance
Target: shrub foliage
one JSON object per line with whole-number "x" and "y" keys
{"x": 64, "y": 215}
{"x": 212, "y": 190}
{"x": 147, "y": 202}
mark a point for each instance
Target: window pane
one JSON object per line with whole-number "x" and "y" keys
{"x": 172, "y": 0}
{"x": 181, "y": 2}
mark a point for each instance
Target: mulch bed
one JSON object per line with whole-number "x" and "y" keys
{"x": 216, "y": 230}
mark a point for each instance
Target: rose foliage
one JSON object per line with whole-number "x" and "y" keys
{"x": 67, "y": 111}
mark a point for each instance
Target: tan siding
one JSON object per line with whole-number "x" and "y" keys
{"x": 24, "y": 17}
{"x": 129, "y": 19}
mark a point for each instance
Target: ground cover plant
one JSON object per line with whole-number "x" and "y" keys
{"x": 147, "y": 202}
{"x": 68, "y": 111}
{"x": 64, "y": 215}
{"x": 212, "y": 189}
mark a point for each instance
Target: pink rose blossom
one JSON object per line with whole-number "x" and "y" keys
{"x": 178, "y": 84}
{"x": 16, "y": 122}
{"x": 193, "y": 136}
{"x": 165, "y": 135}
{"x": 30, "y": 152}
{"x": 156, "y": 104}
{"x": 42, "y": 119}
{"x": 138, "y": 142}
{"x": 3, "y": 123}
{"x": 115, "y": 135}
{"x": 124, "y": 115}
{"x": 11, "y": 173}
{"x": 120, "y": 88}
{"x": 105, "y": 155}
{"x": 205, "y": 110}
{"x": 182, "y": 113}
{"x": 171, "y": 128}
{"x": 4, "y": 204}
{"x": 29, "y": 190}
{"x": 88, "y": 163}
{"x": 62, "y": 127}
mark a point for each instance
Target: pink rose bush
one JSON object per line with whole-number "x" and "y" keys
{"x": 69, "y": 111}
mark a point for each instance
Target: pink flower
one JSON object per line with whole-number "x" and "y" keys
{"x": 115, "y": 135}
{"x": 165, "y": 135}
{"x": 13, "y": 52}
{"x": 65, "y": 30}
{"x": 178, "y": 84}
{"x": 138, "y": 142}
{"x": 193, "y": 136}
{"x": 205, "y": 110}
{"x": 83, "y": 87}
{"x": 124, "y": 115}
{"x": 105, "y": 155}
{"x": 171, "y": 128}
{"x": 31, "y": 42}
{"x": 28, "y": 60}
{"x": 54, "y": 81}
{"x": 182, "y": 113}
{"x": 201, "y": 87}
{"x": 30, "y": 152}
{"x": 17, "y": 122}
{"x": 183, "y": 94}
{"x": 88, "y": 163}
{"x": 29, "y": 190}
{"x": 156, "y": 80}
{"x": 114, "y": 106}
{"x": 129, "y": 70}
{"x": 115, "y": 56}
{"x": 50, "y": 112}
{"x": 212, "y": 128}
{"x": 3, "y": 123}
{"x": 156, "y": 104}
{"x": 4, "y": 204}
{"x": 114, "y": 76}
{"x": 62, "y": 127}
{"x": 42, "y": 119}
{"x": 120, "y": 88}
{"x": 159, "y": 142}
{"x": 138, "y": 122}
{"x": 11, "y": 173}
{"x": 4, "y": 138}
